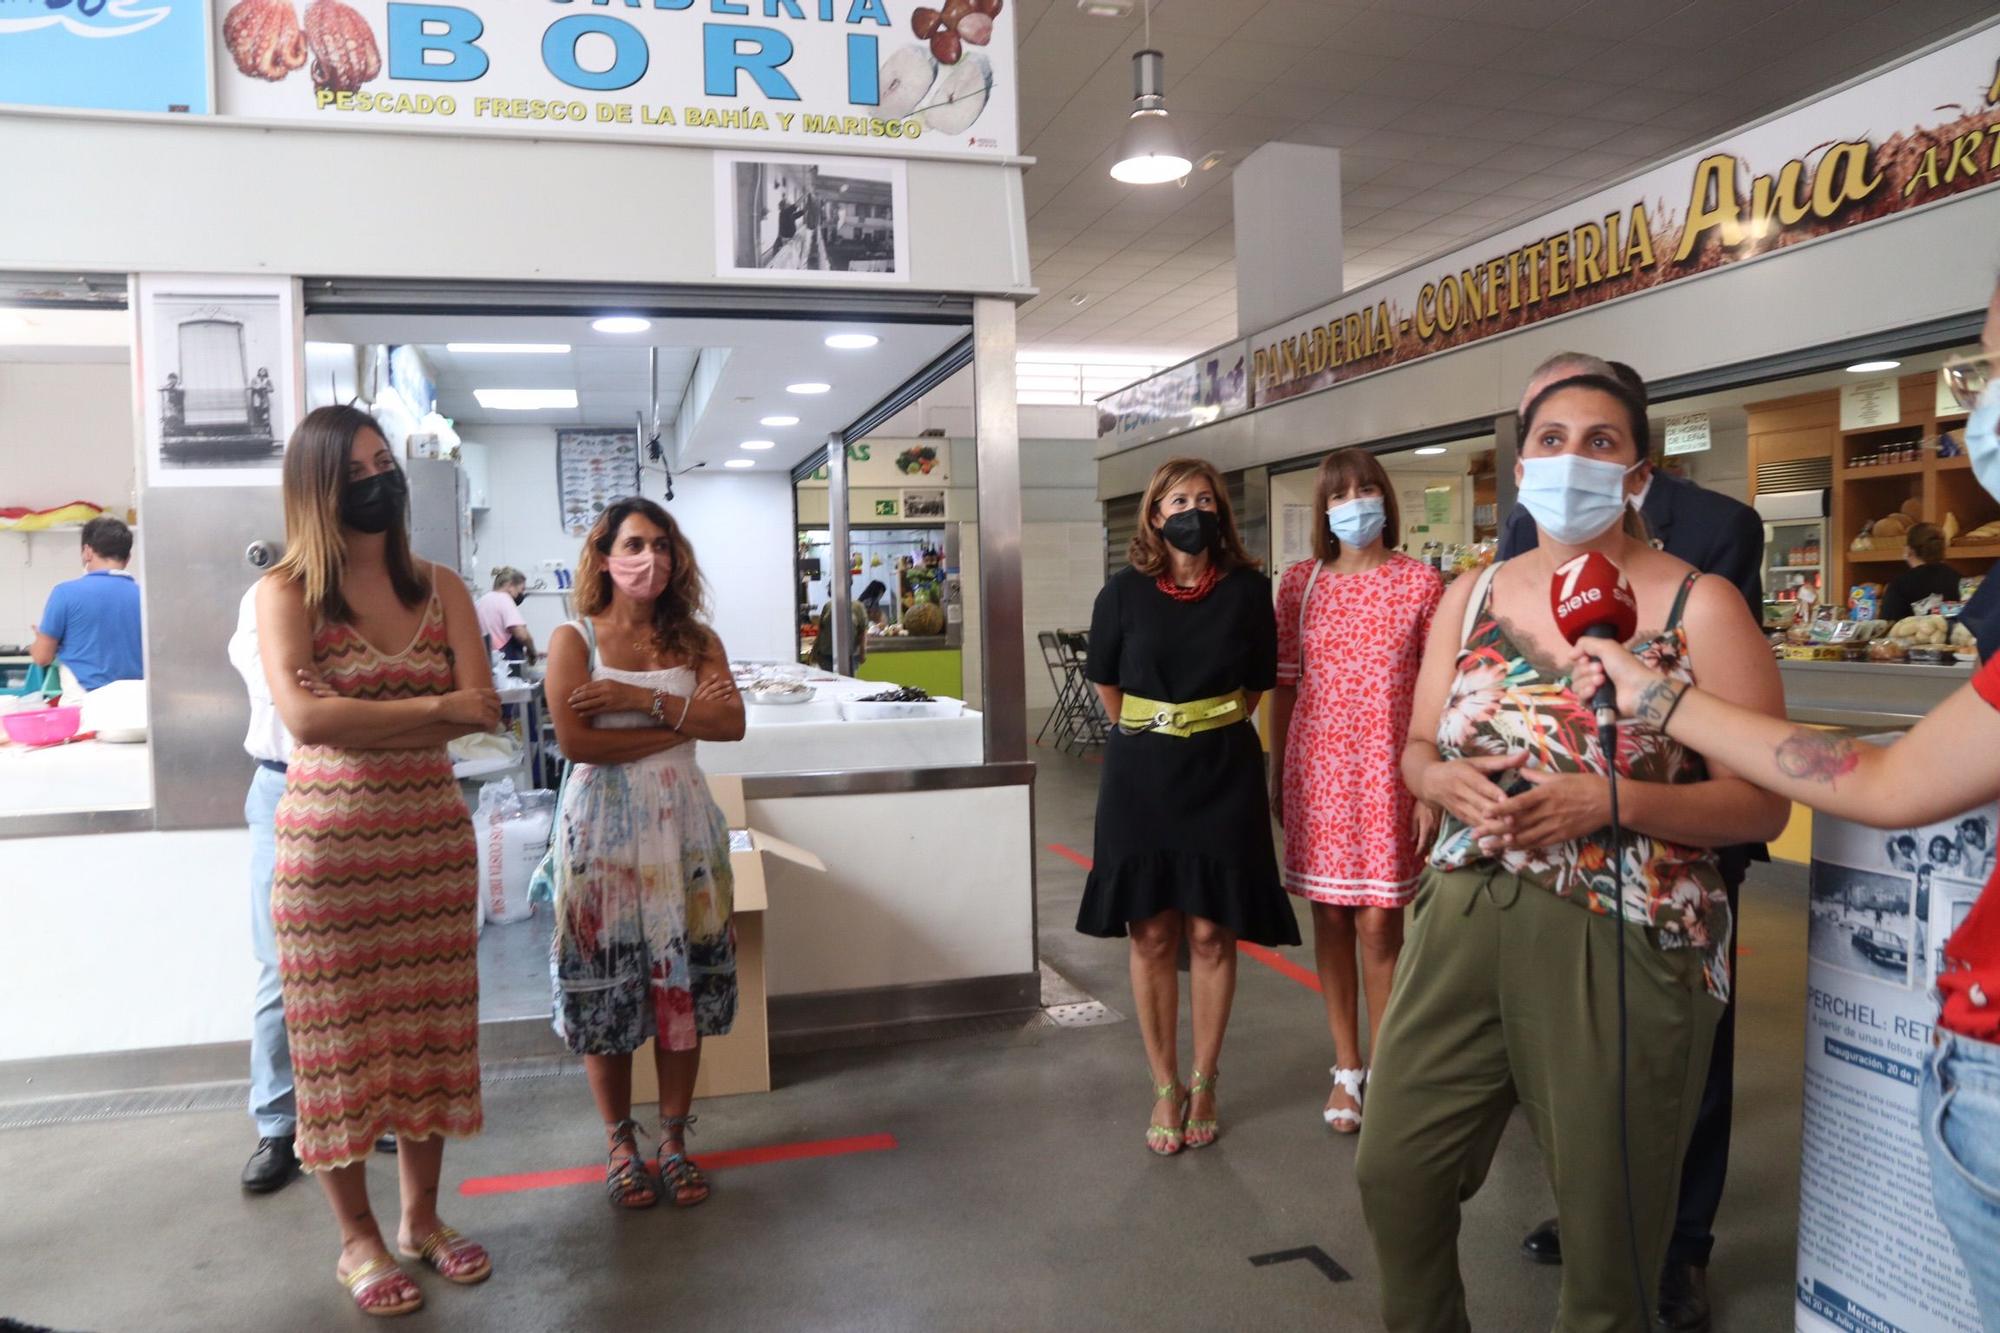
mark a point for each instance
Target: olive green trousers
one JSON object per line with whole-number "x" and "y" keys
{"x": 1505, "y": 995}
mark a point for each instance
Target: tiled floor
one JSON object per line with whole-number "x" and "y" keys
{"x": 1017, "y": 1193}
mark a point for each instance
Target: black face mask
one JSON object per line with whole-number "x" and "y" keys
{"x": 374, "y": 505}
{"x": 1192, "y": 530}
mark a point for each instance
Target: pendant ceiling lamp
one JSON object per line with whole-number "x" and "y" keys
{"x": 1151, "y": 153}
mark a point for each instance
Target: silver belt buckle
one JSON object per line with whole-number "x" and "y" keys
{"x": 1163, "y": 718}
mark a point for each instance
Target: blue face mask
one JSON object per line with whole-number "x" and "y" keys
{"x": 1356, "y": 523}
{"x": 1572, "y": 499}
{"x": 1982, "y": 439}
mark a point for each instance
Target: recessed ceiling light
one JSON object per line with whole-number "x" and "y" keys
{"x": 525, "y": 400}
{"x": 1429, "y": 451}
{"x": 1079, "y": 298}
{"x": 739, "y": 462}
{"x": 851, "y": 342}
{"x": 810, "y": 386}
{"x": 777, "y": 421}
{"x": 1864, "y": 367}
{"x": 621, "y": 324}
{"x": 1105, "y": 9}
{"x": 759, "y": 444}
{"x": 507, "y": 349}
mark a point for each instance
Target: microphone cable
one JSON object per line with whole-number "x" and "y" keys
{"x": 1607, "y": 740}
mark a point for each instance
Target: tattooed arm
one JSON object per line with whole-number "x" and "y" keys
{"x": 1948, "y": 763}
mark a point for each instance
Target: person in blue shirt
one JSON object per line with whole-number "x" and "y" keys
{"x": 92, "y": 623}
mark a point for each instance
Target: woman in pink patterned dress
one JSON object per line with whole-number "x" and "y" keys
{"x": 1351, "y": 627}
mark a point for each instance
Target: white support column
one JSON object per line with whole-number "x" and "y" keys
{"x": 1288, "y": 236}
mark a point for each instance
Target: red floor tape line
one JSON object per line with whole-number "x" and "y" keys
{"x": 1270, "y": 958}
{"x": 710, "y": 1161}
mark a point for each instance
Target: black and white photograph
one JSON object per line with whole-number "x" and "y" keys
{"x": 812, "y": 218}
{"x": 1862, "y": 922}
{"x": 217, "y": 360}
{"x": 923, "y": 504}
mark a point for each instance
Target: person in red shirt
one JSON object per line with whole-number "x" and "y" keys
{"x": 1948, "y": 763}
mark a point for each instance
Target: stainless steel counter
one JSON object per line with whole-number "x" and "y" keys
{"x": 1866, "y": 695}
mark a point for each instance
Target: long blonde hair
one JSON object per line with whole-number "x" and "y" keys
{"x": 315, "y": 473}
{"x": 1148, "y": 552}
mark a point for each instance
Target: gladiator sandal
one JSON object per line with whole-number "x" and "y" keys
{"x": 627, "y": 1182}
{"x": 1201, "y": 1132}
{"x": 1166, "y": 1140}
{"x": 678, "y": 1171}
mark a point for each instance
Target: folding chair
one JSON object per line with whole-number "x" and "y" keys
{"x": 1052, "y": 660}
{"x": 1085, "y": 715}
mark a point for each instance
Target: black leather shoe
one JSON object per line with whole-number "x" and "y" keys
{"x": 386, "y": 1144}
{"x": 1684, "y": 1298}
{"x": 1544, "y": 1244}
{"x": 272, "y": 1166}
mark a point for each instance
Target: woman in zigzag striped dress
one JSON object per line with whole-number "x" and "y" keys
{"x": 375, "y": 893}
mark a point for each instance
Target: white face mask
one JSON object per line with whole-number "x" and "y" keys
{"x": 1573, "y": 499}
{"x": 1356, "y": 523}
{"x": 1982, "y": 438}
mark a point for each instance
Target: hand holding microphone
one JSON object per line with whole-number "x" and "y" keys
{"x": 1602, "y": 665}
{"x": 1591, "y": 600}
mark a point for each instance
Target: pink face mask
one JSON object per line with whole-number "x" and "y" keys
{"x": 640, "y": 577}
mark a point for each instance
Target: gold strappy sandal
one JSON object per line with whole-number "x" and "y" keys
{"x": 1201, "y": 1132}
{"x": 1166, "y": 1140}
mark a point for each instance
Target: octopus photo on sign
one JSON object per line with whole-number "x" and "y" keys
{"x": 267, "y": 41}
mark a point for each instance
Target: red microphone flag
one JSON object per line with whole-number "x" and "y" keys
{"x": 1591, "y": 599}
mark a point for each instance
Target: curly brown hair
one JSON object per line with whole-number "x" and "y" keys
{"x": 1148, "y": 551}
{"x": 680, "y": 612}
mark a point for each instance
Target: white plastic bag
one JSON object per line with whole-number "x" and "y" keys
{"x": 513, "y": 831}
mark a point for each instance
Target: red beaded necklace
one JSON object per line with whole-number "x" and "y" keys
{"x": 1201, "y": 588}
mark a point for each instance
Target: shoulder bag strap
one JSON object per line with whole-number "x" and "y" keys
{"x": 1305, "y": 603}
{"x": 1481, "y": 590}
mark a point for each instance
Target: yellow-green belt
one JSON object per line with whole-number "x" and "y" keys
{"x": 1186, "y": 719}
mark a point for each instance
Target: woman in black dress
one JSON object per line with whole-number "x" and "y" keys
{"x": 1182, "y": 643}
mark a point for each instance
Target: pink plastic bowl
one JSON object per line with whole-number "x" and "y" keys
{"x": 40, "y": 726}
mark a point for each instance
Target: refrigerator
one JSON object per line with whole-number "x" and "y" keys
{"x": 441, "y": 515}
{"x": 1795, "y": 551}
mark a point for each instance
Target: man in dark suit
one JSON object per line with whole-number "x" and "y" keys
{"x": 1724, "y": 537}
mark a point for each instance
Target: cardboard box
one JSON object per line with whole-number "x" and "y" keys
{"x": 741, "y": 1061}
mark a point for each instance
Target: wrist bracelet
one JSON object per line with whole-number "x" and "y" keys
{"x": 686, "y": 704}
{"x": 1672, "y": 707}
{"x": 659, "y": 708}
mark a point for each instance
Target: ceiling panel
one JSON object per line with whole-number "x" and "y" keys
{"x": 1451, "y": 117}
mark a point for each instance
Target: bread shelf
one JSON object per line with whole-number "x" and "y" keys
{"x": 1975, "y": 551}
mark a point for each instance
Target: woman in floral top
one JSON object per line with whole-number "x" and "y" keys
{"x": 1509, "y": 989}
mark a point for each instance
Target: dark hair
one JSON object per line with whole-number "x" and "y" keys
{"x": 874, "y": 591}
{"x": 1633, "y": 403}
{"x": 1939, "y": 840}
{"x": 1342, "y": 470}
{"x": 109, "y": 537}
{"x": 315, "y": 474}
{"x": 1926, "y": 542}
{"x": 680, "y": 611}
{"x": 1148, "y": 551}
{"x": 1631, "y": 379}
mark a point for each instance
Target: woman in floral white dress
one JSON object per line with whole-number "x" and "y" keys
{"x": 1351, "y": 628}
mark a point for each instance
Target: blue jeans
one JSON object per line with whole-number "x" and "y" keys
{"x": 1959, "y": 1106}
{"x": 271, "y": 1103}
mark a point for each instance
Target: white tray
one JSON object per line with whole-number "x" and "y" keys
{"x": 855, "y": 710}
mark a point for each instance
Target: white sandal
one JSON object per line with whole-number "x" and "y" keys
{"x": 1351, "y": 1082}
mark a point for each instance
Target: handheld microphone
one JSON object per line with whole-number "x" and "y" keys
{"x": 1592, "y": 600}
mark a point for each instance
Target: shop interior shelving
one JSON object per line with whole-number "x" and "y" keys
{"x": 1807, "y": 426}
